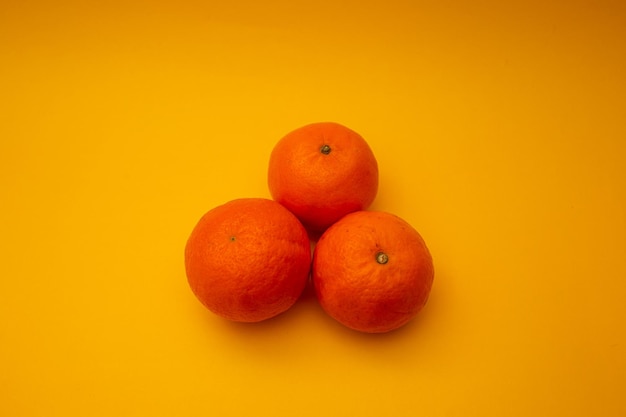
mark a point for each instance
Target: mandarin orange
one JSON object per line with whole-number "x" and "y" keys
{"x": 372, "y": 271}
{"x": 248, "y": 260}
{"x": 321, "y": 172}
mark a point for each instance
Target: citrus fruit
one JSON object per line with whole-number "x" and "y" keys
{"x": 321, "y": 172}
{"x": 372, "y": 271}
{"x": 248, "y": 260}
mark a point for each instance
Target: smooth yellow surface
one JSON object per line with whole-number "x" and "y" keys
{"x": 500, "y": 132}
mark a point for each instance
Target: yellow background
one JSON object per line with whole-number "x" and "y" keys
{"x": 499, "y": 128}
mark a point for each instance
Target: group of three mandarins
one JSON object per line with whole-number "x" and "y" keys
{"x": 250, "y": 259}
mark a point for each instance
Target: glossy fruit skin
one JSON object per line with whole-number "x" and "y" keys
{"x": 354, "y": 288}
{"x": 320, "y": 187}
{"x": 248, "y": 260}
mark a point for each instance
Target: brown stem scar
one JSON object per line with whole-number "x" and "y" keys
{"x": 382, "y": 258}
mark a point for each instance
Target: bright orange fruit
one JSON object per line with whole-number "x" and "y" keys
{"x": 372, "y": 271}
{"x": 248, "y": 260}
{"x": 321, "y": 172}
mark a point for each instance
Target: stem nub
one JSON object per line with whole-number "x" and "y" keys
{"x": 325, "y": 149}
{"x": 382, "y": 258}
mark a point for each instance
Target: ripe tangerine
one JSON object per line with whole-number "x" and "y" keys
{"x": 248, "y": 260}
{"x": 321, "y": 172}
{"x": 372, "y": 271}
